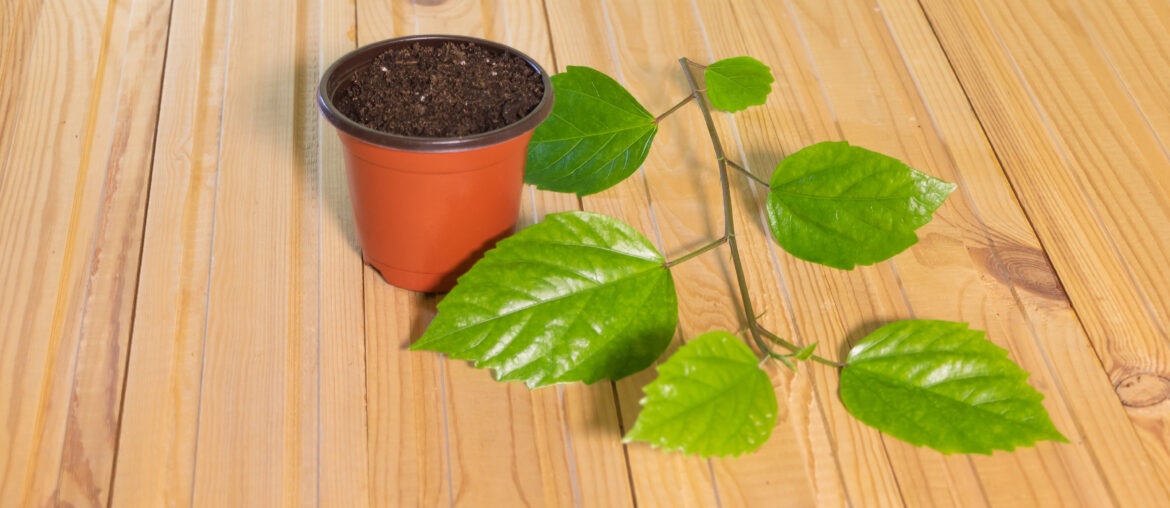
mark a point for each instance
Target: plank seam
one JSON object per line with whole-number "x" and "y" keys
{"x": 446, "y": 425}
{"x": 211, "y": 245}
{"x": 552, "y": 47}
{"x": 625, "y": 446}
{"x": 569, "y": 448}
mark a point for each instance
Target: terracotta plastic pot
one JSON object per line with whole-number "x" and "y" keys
{"x": 428, "y": 208}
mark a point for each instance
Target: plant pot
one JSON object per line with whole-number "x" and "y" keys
{"x": 428, "y": 208}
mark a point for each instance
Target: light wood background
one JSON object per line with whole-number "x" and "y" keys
{"x": 185, "y": 318}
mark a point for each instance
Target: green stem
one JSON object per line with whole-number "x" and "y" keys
{"x": 754, "y": 326}
{"x": 749, "y": 174}
{"x": 674, "y": 108}
{"x": 695, "y": 253}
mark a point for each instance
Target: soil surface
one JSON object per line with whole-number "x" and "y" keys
{"x": 457, "y": 89}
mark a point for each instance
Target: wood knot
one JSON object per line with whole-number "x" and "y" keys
{"x": 1026, "y": 268}
{"x": 1143, "y": 390}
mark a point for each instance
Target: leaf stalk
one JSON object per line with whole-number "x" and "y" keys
{"x": 749, "y": 174}
{"x": 696, "y": 252}
{"x": 674, "y": 108}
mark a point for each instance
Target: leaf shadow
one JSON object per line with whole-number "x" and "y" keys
{"x": 626, "y": 401}
{"x": 754, "y": 196}
{"x": 420, "y": 319}
{"x": 858, "y": 333}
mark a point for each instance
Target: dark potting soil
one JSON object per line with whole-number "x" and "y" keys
{"x": 457, "y": 89}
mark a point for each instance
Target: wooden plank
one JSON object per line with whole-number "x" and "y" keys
{"x": 49, "y": 198}
{"x": 494, "y": 427}
{"x": 344, "y": 471}
{"x": 408, "y": 449}
{"x": 1073, "y": 147}
{"x": 258, "y": 415}
{"x": 96, "y": 399}
{"x": 156, "y": 448}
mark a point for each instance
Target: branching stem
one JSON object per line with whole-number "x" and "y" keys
{"x": 754, "y": 327}
{"x": 674, "y": 108}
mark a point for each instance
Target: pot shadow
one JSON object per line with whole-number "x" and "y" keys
{"x": 303, "y": 137}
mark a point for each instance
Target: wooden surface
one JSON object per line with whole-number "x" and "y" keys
{"x": 185, "y": 318}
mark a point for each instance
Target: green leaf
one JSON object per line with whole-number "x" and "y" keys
{"x": 841, "y": 205}
{"x": 578, "y": 297}
{"x": 939, "y": 384}
{"x": 596, "y": 136}
{"x": 734, "y": 84}
{"x": 806, "y": 352}
{"x": 710, "y": 398}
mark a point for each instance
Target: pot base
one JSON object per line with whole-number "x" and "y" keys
{"x": 414, "y": 281}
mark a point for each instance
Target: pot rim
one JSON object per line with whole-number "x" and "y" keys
{"x": 343, "y": 68}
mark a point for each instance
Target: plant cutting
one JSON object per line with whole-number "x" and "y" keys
{"x": 583, "y": 297}
{"x": 435, "y": 130}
